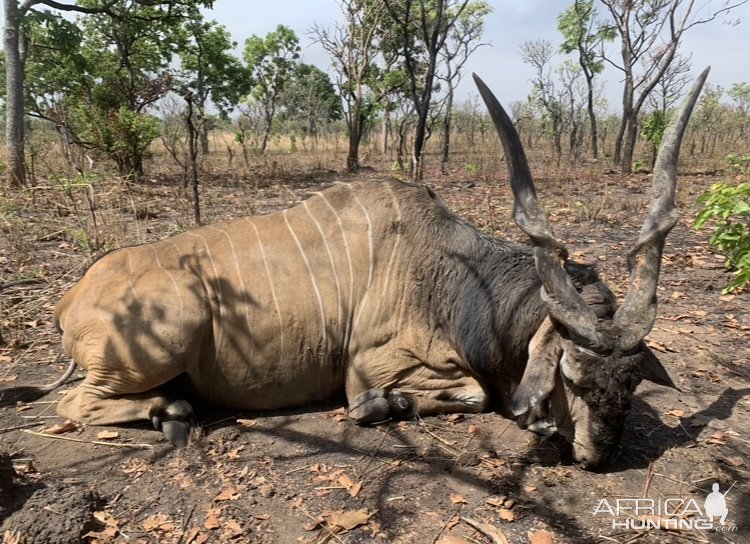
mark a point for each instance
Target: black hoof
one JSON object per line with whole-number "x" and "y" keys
{"x": 375, "y": 405}
{"x": 177, "y": 423}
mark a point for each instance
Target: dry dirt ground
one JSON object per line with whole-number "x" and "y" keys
{"x": 310, "y": 476}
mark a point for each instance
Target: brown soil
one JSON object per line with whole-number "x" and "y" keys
{"x": 309, "y": 475}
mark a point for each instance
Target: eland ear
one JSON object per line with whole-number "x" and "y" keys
{"x": 538, "y": 379}
{"x": 652, "y": 369}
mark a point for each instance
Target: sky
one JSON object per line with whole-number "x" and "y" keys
{"x": 725, "y": 47}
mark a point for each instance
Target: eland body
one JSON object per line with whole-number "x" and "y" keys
{"x": 378, "y": 291}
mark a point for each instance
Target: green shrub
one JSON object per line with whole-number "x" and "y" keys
{"x": 738, "y": 164}
{"x": 728, "y": 209}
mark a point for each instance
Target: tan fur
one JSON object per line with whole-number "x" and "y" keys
{"x": 265, "y": 312}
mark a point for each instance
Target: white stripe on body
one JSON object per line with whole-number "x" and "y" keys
{"x": 332, "y": 260}
{"x": 347, "y": 328}
{"x": 131, "y": 286}
{"x": 273, "y": 290}
{"x": 241, "y": 279}
{"x": 312, "y": 279}
{"x": 171, "y": 278}
{"x": 371, "y": 252}
{"x": 396, "y": 243}
{"x": 219, "y": 298}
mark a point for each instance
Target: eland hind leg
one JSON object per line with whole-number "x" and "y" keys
{"x": 132, "y": 338}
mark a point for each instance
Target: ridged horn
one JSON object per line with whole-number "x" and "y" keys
{"x": 635, "y": 318}
{"x": 565, "y": 304}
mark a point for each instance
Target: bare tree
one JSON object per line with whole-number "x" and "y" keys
{"x": 572, "y": 99}
{"x": 352, "y": 47}
{"x": 538, "y": 54}
{"x": 424, "y": 26}
{"x": 584, "y": 35}
{"x": 463, "y": 40}
{"x": 650, "y": 32}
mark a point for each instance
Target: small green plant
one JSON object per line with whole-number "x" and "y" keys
{"x": 471, "y": 168}
{"x": 640, "y": 167}
{"x": 728, "y": 207}
{"x": 738, "y": 164}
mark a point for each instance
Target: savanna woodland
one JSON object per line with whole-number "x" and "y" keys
{"x": 127, "y": 121}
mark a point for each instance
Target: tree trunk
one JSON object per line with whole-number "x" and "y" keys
{"x": 14, "y": 106}
{"x": 447, "y": 119}
{"x": 193, "y": 134}
{"x": 354, "y": 127}
{"x": 417, "y": 158}
{"x": 628, "y": 146}
{"x": 592, "y": 119}
{"x": 204, "y": 137}
{"x": 386, "y": 128}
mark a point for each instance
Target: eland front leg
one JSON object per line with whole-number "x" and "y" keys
{"x": 385, "y": 383}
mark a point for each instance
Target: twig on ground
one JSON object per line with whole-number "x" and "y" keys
{"x": 19, "y": 427}
{"x": 488, "y": 530}
{"x": 97, "y": 442}
{"x": 447, "y": 522}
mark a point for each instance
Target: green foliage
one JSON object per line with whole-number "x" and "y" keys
{"x": 653, "y": 127}
{"x": 123, "y": 134}
{"x": 310, "y": 100}
{"x": 582, "y": 34}
{"x": 207, "y": 67}
{"x": 271, "y": 62}
{"x": 95, "y": 77}
{"x": 728, "y": 208}
{"x": 738, "y": 164}
{"x": 639, "y": 166}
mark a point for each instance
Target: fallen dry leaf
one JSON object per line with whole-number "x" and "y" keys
{"x": 232, "y": 529}
{"x": 60, "y": 428}
{"x": 212, "y": 520}
{"x": 676, "y": 413}
{"x": 108, "y": 435}
{"x": 355, "y": 489}
{"x": 235, "y": 453}
{"x": 106, "y": 518}
{"x": 227, "y": 494}
{"x": 348, "y": 520}
{"x": 458, "y": 499}
{"x": 136, "y": 465}
{"x": 734, "y": 460}
{"x": 100, "y": 537}
{"x": 158, "y": 522}
{"x": 507, "y": 515}
{"x": 496, "y": 501}
{"x": 247, "y": 423}
{"x": 191, "y": 535}
{"x": 541, "y": 537}
{"x": 339, "y": 414}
